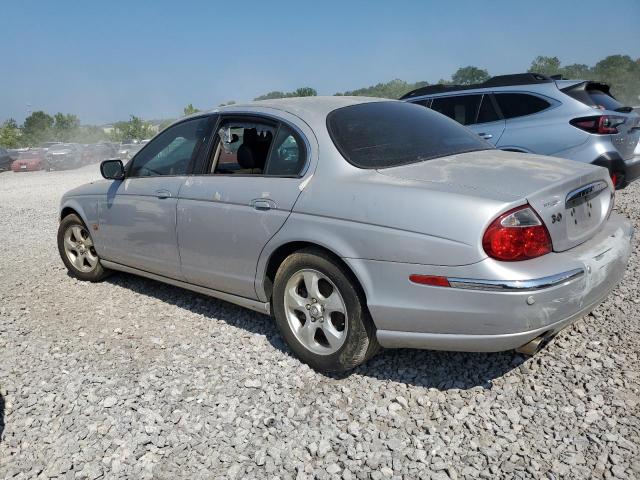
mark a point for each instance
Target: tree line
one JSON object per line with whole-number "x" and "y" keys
{"x": 621, "y": 72}
{"x": 40, "y": 127}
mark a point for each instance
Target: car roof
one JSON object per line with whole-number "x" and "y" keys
{"x": 310, "y": 109}
{"x": 501, "y": 83}
{"x": 306, "y": 105}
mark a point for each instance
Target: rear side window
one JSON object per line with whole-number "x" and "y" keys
{"x": 287, "y": 154}
{"x": 462, "y": 108}
{"x": 388, "y": 134}
{"x": 593, "y": 96}
{"x": 520, "y": 104}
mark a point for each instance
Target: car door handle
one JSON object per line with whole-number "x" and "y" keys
{"x": 163, "y": 194}
{"x": 486, "y": 136}
{"x": 263, "y": 204}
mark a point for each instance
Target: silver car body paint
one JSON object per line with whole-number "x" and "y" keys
{"x": 426, "y": 218}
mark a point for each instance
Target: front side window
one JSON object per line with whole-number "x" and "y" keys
{"x": 388, "y": 134}
{"x": 462, "y": 108}
{"x": 515, "y": 105}
{"x": 174, "y": 151}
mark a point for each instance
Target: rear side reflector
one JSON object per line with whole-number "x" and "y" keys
{"x": 518, "y": 234}
{"x": 432, "y": 280}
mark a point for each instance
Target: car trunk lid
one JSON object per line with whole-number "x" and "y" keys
{"x": 628, "y": 135}
{"x": 573, "y": 199}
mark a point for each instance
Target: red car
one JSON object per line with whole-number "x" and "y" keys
{"x": 29, "y": 161}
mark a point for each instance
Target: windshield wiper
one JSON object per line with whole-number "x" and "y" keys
{"x": 624, "y": 109}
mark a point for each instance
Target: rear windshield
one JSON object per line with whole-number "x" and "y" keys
{"x": 388, "y": 134}
{"x": 591, "y": 95}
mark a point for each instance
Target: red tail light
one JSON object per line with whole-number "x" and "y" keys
{"x": 518, "y": 234}
{"x": 614, "y": 178}
{"x": 600, "y": 124}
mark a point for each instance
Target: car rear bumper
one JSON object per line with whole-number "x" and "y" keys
{"x": 486, "y": 313}
{"x": 627, "y": 171}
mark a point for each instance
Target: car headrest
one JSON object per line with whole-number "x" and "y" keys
{"x": 245, "y": 156}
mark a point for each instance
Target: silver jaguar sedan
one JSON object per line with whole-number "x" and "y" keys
{"x": 358, "y": 224}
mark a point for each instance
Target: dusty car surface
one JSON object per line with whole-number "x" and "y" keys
{"x": 357, "y": 223}
{"x": 98, "y": 152}
{"x": 64, "y": 156}
{"x": 5, "y": 159}
{"x": 29, "y": 161}
{"x": 126, "y": 151}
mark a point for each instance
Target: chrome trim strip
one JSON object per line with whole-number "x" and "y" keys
{"x": 255, "y": 305}
{"x": 584, "y": 193}
{"x": 516, "y": 285}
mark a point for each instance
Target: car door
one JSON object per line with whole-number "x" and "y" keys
{"x": 138, "y": 215}
{"x": 476, "y": 111}
{"x": 488, "y": 124}
{"x": 532, "y": 125}
{"x": 245, "y": 193}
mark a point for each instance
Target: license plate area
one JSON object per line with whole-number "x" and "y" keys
{"x": 23, "y": 167}
{"x": 584, "y": 209}
{"x": 582, "y": 217}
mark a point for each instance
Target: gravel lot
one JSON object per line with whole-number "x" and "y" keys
{"x": 133, "y": 379}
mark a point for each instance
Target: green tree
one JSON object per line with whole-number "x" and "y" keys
{"x": 545, "y": 65}
{"x": 37, "y": 128}
{"x": 230, "y": 102}
{"x": 469, "y": 75}
{"x": 392, "y": 89}
{"x": 65, "y": 127}
{"x": 577, "y": 71}
{"x": 299, "y": 92}
{"x": 165, "y": 123}
{"x": 190, "y": 110}
{"x": 271, "y": 95}
{"x": 89, "y": 134}
{"x": 622, "y": 74}
{"x": 135, "y": 128}
{"x": 9, "y": 134}
{"x": 304, "y": 92}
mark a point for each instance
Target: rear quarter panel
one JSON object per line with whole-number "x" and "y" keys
{"x": 545, "y": 133}
{"x": 363, "y": 214}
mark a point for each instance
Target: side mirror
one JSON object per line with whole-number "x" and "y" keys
{"x": 112, "y": 169}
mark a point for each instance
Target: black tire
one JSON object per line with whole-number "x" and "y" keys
{"x": 360, "y": 343}
{"x": 90, "y": 273}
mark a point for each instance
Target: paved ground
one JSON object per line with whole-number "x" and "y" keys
{"x": 133, "y": 379}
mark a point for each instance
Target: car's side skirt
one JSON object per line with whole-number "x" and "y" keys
{"x": 262, "y": 307}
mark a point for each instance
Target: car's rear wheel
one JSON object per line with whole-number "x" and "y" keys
{"x": 78, "y": 251}
{"x": 321, "y": 313}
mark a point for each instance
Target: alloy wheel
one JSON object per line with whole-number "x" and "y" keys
{"x": 316, "y": 311}
{"x": 79, "y": 248}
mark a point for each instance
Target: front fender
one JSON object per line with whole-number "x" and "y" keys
{"x": 87, "y": 209}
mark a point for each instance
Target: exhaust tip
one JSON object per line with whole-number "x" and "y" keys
{"x": 535, "y": 345}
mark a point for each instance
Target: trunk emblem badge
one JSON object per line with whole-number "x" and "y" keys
{"x": 584, "y": 194}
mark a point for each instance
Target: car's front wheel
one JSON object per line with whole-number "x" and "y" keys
{"x": 321, "y": 314}
{"x": 78, "y": 251}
